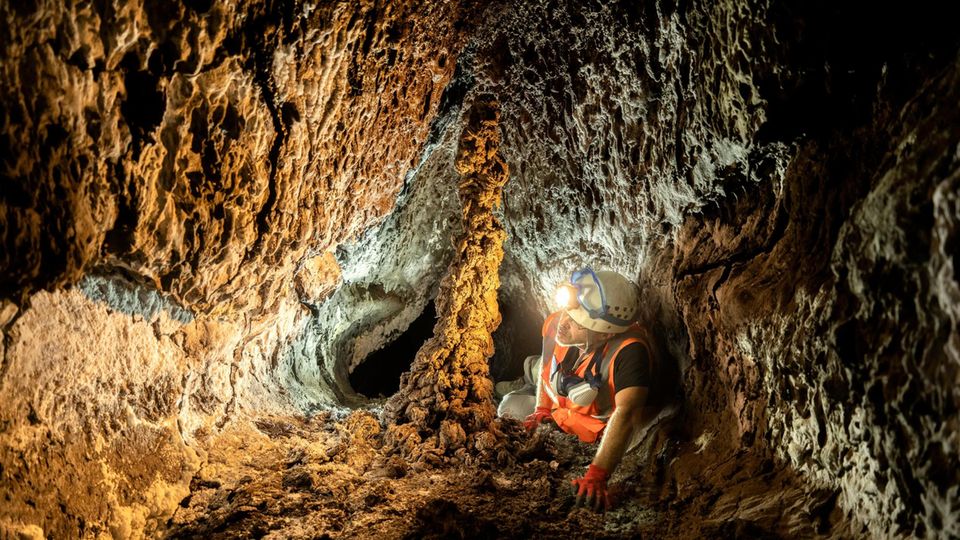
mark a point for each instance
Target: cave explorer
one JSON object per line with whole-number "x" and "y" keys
{"x": 596, "y": 382}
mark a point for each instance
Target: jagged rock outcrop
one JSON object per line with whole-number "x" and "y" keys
{"x": 444, "y": 404}
{"x": 195, "y": 157}
{"x": 212, "y": 213}
{"x": 201, "y": 145}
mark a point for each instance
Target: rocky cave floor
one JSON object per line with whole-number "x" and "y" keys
{"x": 328, "y": 477}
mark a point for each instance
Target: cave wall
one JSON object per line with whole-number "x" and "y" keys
{"x": 826, "y": 335}
{"x": 176, "y": 179}
{"x": 211, "y": 211}
{"x": 777, "y": 182}
{"x": 209, "y": 139}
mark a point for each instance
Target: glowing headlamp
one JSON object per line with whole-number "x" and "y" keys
{"x": 575, "y": 294}
{"x": 566, "y": 296}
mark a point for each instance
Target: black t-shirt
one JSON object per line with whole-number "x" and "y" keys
{"x": 632, "y": 367}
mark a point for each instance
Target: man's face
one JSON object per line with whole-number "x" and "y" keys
{"x": 570, "y": 333}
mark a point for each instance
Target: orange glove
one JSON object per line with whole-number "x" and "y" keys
{"x": 539, "y": 416}
{"x": 592, "y": 489}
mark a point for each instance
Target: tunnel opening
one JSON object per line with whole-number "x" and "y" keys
{"x": 517, "y": 337}
{"x": 378, "y": 375}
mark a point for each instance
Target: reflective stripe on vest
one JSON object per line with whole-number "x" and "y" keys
{"x": 548, "y": 355}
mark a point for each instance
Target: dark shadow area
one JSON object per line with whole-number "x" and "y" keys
{"x": 379, "y": 374}
{"x": 145, "y": 102}
{"x": 517, "y": 337}
{"x": 842, "y": 56}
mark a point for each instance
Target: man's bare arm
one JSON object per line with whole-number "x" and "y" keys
{"x": 620, "y": 427}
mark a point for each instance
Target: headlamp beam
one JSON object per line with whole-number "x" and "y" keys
{"x": 566, "y": 297}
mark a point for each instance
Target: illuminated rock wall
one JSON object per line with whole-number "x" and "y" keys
{"x": 198, "y": 162}
{"x": 785, "y": 191}
{"x": 213, "y": 211}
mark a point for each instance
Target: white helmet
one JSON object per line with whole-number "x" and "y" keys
{"x": 603, "y": 301}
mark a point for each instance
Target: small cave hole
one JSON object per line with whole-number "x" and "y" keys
{"x": 199, "y": 6}
{"x": 379, "y": 374}
{"x": 145, "y": 102}
{"x": 517, "y": 337}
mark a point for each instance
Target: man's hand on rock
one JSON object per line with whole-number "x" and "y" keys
{"x": 592, "y": 490}
{"x": 541, "y": 415}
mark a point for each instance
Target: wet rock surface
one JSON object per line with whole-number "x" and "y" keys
{"x": 212, "y": 213}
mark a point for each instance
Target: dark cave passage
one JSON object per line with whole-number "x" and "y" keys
{"x": 517, "y": 337}
{"x": 379, "y": 374}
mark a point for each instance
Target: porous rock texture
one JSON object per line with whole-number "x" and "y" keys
{"x": 448, "y": 391}
{"x": 213, "y": 212}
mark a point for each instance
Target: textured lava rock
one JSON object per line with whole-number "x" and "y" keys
{"x": 212, "y": 212}
{"x": 447, "y": 393}
{"x": 194, "y": 159}
{"x": 209, "y": 140}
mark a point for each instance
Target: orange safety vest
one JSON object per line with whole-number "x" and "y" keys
{"x": 588, "y": 422}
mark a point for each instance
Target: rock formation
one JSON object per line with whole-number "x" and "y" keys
{"x": 213, "y": 213}
{"x": 448, "y": 392}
